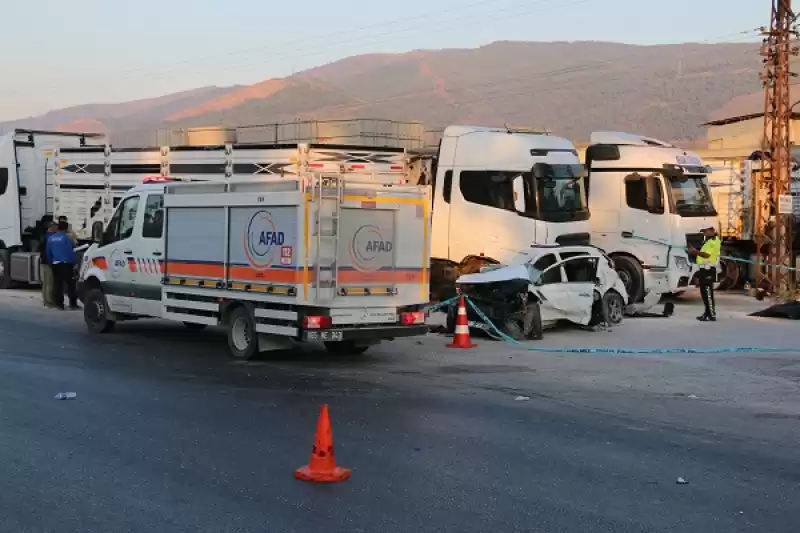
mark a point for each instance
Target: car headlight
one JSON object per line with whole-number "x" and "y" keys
{"x": 681, "y": 262}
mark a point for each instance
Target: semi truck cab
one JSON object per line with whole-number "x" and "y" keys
{"x": 650, "y": 201}
{"x": 496, "y": 193}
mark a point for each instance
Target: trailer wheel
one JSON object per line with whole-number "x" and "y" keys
{"x": 632, "y": 276}
{"x": 242, "y": 336}
{"x": 96, "y": 314}
{"x": 345, "y": 348}
{"x": 5, "y": 269}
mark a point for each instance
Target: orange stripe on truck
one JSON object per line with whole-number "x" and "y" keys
{"x": 295, "y": 276}
{"x": 196, "y": 270}
{"x": 272, "y": 275}
{"x": 100, "y": 262}
{"x": 351, "y": 277}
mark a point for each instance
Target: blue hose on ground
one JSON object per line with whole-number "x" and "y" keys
{"x": 622, "y": 351}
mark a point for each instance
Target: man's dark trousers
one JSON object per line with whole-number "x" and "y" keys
{"x": 707, "y": 277}
{"x": 64, "y": 275}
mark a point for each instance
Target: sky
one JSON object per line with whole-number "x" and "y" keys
{"x": 58, "y": 53}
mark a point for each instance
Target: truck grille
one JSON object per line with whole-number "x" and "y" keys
{"x": 694, "y": 240}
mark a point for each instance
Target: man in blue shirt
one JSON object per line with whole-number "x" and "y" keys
{"x": 61, "y": 256}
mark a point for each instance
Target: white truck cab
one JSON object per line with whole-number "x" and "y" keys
{"x": 496, "y": 193}
{"x": 649, "y": 201}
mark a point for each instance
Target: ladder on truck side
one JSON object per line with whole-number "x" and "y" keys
{"x": 327, "y": 195}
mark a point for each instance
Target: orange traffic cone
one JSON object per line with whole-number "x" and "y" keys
{"x": 322, "y": 467}
{"x": 461, "y": 338}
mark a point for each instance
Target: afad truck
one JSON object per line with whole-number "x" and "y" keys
{"x": 650, "y": 201}
{"x": 84, "y": 178}
{"x": 275, "y": 260}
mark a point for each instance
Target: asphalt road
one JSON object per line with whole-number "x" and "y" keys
{"x": 166, "y": 434}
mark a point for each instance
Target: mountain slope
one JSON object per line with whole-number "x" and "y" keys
{"x": 570, "y": 88}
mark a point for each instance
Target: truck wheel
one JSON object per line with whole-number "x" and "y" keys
{"x": 613, "y": 308}
{"x": 96, "y": 313}
{"x": 194, "y": 326}
{"x": 242, "y": 336}
{"x": 632, "y": 276}
{"x": 730, "y": 275}
{"x": 345, "y": 348}
{"x": 5, "y": 269}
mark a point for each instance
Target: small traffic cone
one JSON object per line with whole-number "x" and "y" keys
{"x": 322, "y": 467}
{"x": 461, "y": 338}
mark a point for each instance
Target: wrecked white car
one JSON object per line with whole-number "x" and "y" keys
{"x": 578, "y": 284}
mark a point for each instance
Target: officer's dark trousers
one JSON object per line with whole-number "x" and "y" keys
{"x": 707, "y": 277}
{"x": 64, "y": 276}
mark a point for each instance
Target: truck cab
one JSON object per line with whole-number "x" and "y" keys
{"x": 126, "y": 259}
{"x": 32, "y": 187}
{"x": 498, "y": 192}
{"x": 649, "y": 200}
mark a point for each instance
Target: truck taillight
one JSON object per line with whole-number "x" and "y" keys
{"x": 317, "y": 322}
{"x": 413, "y": 318}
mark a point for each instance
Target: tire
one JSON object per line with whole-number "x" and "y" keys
{"x": 345, "y": 348}
{"x": 632, "y": 276}
{"x": 242, "y": 336}
{"x": 730, "y": 277}
{"x": 527, "y": 324}
{"x": 96, "y": 313}
{"x": 450, "y": 325}
{"x": 194, "y": 326}
{"x": 5, "y": 269}
{"x": 613, "y": 308}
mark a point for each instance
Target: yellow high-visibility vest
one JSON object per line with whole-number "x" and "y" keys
{"x": 712, "y": 247}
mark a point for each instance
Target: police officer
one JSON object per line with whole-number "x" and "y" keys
{"x": 707, "y": 260}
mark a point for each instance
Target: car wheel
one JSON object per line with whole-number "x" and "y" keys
{"x": 450, "y": 325}
{"x": 96, "y": 313}
{"x": 614, "y": 308}
{"x": 632, "y": 276}
{"x": 345, "y": 348}
{"x": 526, "y": 324}
{"x": 242, "y": 336}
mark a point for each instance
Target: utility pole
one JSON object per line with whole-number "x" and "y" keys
{"x": 772, "y": 184}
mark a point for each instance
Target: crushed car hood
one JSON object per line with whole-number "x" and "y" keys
{"x": 493, "y": 275}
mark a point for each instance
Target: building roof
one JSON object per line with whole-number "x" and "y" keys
{"x": 742, "y": 118}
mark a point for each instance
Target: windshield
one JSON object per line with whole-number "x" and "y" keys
{"x": 561, "y": 193}
{"x": 691, "y": 197}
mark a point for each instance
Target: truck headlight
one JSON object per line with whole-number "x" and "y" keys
{"x": 681, "y": 262}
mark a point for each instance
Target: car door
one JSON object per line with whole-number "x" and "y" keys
{"x": 565, "y": 295}
{"x": 117, "y": 251}
{"x": 148, "y": 259}
{"x": 580, "y": 275}
{"x": 547, "y": 287}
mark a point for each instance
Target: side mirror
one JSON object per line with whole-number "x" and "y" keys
{"x": 519, "y": 194}
{"x": 655, "y": 200}
{"x": 97, "y": 232}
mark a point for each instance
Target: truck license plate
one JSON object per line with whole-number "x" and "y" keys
{"x": 331, "y": 335}
{"x": 325, "y": 336}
